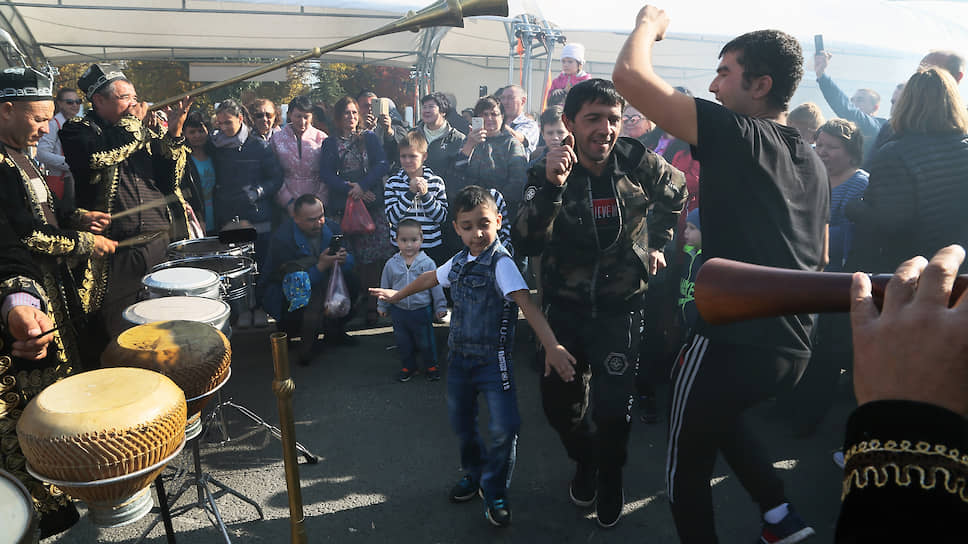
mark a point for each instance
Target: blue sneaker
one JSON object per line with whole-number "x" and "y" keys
{"x": 791, "y": 529}
{"x": 464, "y": 490}
{"x": 498, "y": 512}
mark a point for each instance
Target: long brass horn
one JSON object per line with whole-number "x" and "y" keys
{"x": 440, "y": 13}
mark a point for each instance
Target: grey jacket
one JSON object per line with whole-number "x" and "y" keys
{"x": 396, "y": 276}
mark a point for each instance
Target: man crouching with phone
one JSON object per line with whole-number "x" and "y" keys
{"x": 302, "y": 254}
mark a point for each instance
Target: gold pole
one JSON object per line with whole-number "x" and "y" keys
{"x": 440, "y": 13}
{"x": 283, "y": 386}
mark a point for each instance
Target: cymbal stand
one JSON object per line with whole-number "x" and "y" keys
{"x": 217, "y": 418}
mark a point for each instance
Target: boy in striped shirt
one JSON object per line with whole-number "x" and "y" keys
{"x": 415, "y": 192}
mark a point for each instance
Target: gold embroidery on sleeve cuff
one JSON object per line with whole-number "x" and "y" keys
{"x": 903, "y": 464}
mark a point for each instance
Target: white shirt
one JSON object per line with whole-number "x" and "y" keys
{"x": 49, "y": 152}
{"x": 530, "y": 129}
{"x": 507, "y": 278}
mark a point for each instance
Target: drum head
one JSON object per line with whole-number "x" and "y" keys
{"x": 206, "y": 310}
{"x": 16, "y": 510}
{"x": 184, "y": 279}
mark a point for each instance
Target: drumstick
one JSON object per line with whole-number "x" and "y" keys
{"x": 146, "y": 206}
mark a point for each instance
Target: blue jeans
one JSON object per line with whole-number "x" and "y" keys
{"x": 492, "y": 466}
{"x": 413, "y": 331}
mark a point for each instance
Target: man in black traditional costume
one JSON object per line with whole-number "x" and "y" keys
{"x": 39, "y": 240}
{"x": 122, "y": 158}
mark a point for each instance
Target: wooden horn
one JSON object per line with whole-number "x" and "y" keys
{"x": 728, "y": 291}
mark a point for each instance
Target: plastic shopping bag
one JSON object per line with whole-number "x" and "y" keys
{"x": 337, "y": 302}
{"x": 356, "y": 219}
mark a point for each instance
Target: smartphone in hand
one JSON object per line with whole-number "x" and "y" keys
{"x": 383, "y": 106}
{"x": 335, "y": 243}
{"x": 818, "y": 43}
{"x": 477, "y": 123}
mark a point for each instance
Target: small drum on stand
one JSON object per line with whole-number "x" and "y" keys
{"x": 17, "y": 516}
{"x": 194, "y": 355}
{"x": 206, "y": 310}
{"x": 236, "y": 272}
{"x": 189, "y": 282}
{"x": 103, "y": 436}
{"x": 204, "y": 247}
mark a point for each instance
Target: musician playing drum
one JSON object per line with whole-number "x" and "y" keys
{"x": 123, "y": 159}
{"x": 28, "y": 272}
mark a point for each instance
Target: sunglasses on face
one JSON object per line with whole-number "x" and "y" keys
{"x": 76, "y": 102}
{"x": 632, "y": 119}
{"x": 263, "y": 115}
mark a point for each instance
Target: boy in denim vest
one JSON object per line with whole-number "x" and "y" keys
{"x": 487, "y": 290}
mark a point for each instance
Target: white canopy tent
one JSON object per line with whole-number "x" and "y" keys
{"x": 876, "y": 43}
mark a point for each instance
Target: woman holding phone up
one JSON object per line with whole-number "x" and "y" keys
{"x": 491, "y": 157}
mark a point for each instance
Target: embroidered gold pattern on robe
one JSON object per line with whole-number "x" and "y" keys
{"x": 903, "y": 463}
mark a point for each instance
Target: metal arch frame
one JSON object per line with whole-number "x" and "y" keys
{"x": 426, "y": 68}
{"x": 533, "y": 32}
{"x": 13, "y": 22}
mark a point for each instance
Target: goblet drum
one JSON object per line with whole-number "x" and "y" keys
{"x": 194, "y": 355}
{"x": 103, "y": 436}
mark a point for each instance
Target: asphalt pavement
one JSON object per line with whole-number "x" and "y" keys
{"x": 387, "y": 458}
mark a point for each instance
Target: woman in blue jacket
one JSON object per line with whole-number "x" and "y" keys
{"x": 354, "y": 166}
{"x": 247, "y": 173}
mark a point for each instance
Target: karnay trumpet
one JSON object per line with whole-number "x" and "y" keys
{"x": 441, "y": 13}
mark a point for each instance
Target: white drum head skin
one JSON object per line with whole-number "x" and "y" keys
{"x": 15, "y": 510}
{"x": 181, "y": 278}
{"x": 206, "y": 310}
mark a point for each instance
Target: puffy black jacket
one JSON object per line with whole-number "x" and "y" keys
{"x": 915, "y": 202}
{"x": 253, "y": 164}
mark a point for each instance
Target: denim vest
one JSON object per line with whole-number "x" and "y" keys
{"x": 483, "y": 321}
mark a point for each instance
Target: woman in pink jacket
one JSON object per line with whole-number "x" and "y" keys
{"x": 572, "y": 61}
{"x": 297, "y": 148}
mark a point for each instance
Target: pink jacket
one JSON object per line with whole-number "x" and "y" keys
{"x": 566, "y": 82}
{"x": 300, "y": 174}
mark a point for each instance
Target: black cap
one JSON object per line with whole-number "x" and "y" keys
{"x": 25, "y": 84}
{"x": 97, "y": 76}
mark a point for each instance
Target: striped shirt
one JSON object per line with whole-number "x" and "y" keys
{"x": 430, "y": 209}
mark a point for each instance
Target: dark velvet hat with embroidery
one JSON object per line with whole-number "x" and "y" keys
{"x": 25, "y": 84}
{"x": 97, "y": 76}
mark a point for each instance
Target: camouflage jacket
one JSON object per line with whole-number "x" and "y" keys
{"x": 558, "y": 223}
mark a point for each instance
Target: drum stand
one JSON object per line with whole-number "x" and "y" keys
{"x": 218, "y": 418}
{"x": 205, "y": 496}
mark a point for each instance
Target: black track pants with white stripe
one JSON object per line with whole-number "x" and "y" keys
{"x": 592, "y": 413}
{"x": 713, "y": 386}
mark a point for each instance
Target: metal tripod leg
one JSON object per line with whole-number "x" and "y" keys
{"x": 273, "y": 430}
{"x": 205, "y": 499}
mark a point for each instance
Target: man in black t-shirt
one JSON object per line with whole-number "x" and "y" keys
{"x": 765, "y": 199}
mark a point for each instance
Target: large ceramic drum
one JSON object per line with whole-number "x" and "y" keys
{"x": 203, "y": 247}
{"x": 103, "y": 436}
{"x": 194, "y": 355}
{"x": 189, "y": 282}
{"x": 236, "y": 272}
{"x": 206, "y": 310}
{"x": 18, "y": 523}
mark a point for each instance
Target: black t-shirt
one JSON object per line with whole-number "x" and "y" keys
{"x": 764, "y": 199}
{"x": 608, "y": 219}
